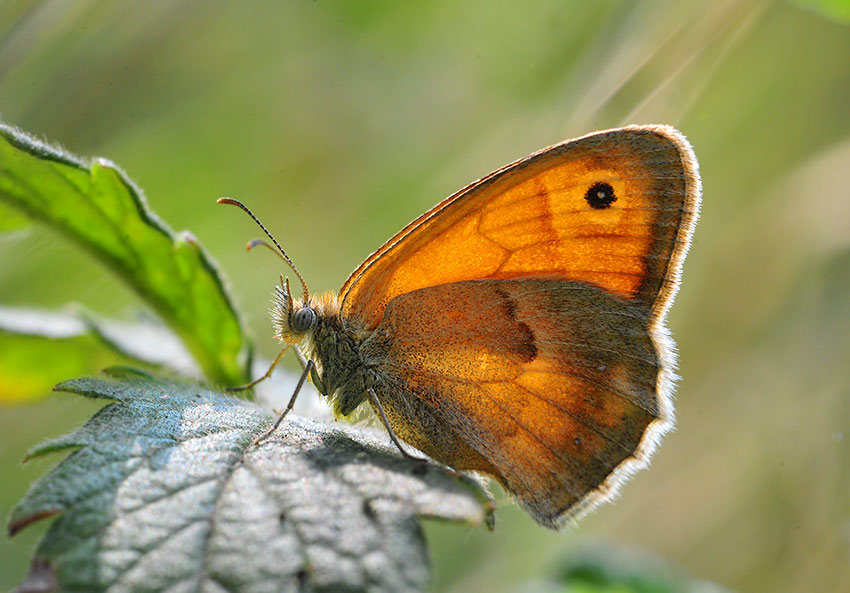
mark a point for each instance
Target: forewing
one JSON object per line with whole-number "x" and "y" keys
{"x": 537, "y": 218}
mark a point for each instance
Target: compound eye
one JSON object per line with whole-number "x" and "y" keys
{"x": 303, "y": 319}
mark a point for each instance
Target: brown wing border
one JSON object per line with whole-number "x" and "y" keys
{"x": 660, "y": 334}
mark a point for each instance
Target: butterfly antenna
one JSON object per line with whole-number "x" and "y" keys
{"x": 285, "y": 257}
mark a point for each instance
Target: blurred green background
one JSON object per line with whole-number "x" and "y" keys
{"x": 338, "y": 122}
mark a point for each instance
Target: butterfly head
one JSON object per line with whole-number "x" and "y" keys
{"x": 292, "y": 318}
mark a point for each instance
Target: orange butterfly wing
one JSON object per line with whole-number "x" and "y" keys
{"x": 518, "y": 323}
{"x": 530, "y": 218}
{"x": 546, "y": 384}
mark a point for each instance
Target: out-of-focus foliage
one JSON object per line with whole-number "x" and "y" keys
{"x": 338, "y": 122}
{"x": 11, "y": 220}
{"x": 38, "y": 349}
{"x": 96, "y": 206}
{"x": 834, "y": 9}
{"x": 606, "y": 569}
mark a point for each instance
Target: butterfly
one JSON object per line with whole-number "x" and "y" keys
{"x": 517, "y": 328}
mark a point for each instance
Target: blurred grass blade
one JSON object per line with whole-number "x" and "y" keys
{"x": 40, "y": 348}
{"x": 97, "y": 206}
{"x": 164, "y": 491}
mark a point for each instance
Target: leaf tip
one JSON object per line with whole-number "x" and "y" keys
{"x": 105, "y": 163}
{"x": 17, "y": 525}
{"x": 64, "y": 386}
{"x": 188, "y": 237}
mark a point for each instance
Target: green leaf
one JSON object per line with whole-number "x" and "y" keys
{"x": 40, "y": 348}
{"x": 11, "y": 220}
{"x": 605, "y": 569}
{"x": 164, "y": 491}
{"x": 837, "y": 10}
{"x": 96, "y": 205}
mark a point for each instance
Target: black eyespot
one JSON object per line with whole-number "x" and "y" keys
{"x": 600, "y": 196}
{"x": 303, "y": 319}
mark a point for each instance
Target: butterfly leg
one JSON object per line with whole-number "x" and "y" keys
{"x": 289, "y": 406}
{"x": 264, "y": 377}
{"x": 314, "y": 373}
{"x": 377, "y": 403}
{"x": 301, "y": 358}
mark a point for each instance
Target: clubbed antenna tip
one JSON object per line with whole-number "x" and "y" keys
{"x": 256, "y": 242}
